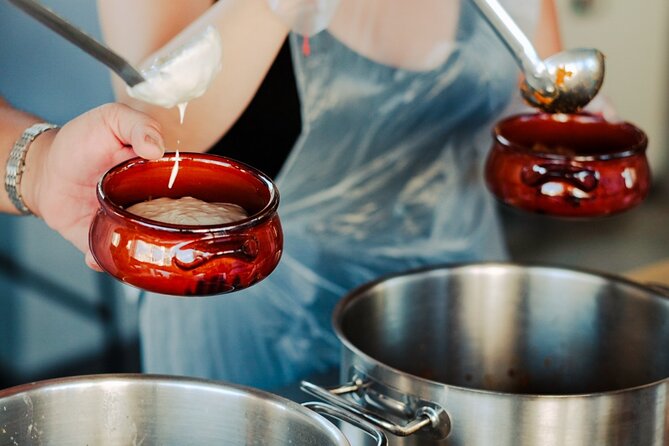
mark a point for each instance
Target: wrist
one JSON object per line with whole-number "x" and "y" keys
{"x": 24, "y": 166}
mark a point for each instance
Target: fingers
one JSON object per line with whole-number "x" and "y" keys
{"x": 135, "y": 129}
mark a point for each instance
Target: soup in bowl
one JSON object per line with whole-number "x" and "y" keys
{"x": 187, "y": 257}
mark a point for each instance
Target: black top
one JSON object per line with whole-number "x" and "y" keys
{"x": 266, "y": 132}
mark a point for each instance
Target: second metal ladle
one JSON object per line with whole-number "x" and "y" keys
{"x": 562, "y": 83}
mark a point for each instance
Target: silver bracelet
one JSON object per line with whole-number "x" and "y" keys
{"x": 16, "y": 164}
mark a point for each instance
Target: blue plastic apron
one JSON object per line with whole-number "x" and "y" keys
{"x": 386, "y": 176}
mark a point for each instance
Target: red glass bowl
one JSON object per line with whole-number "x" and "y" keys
{"x": 185, "y": 260}
{"x": 576, "y": 165}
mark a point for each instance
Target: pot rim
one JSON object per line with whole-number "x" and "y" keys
{"x": 639, "y": 147}
{"x": 375, "y": 364}
{"x": 266, "y": 213}
{"x": 135, "y": 378}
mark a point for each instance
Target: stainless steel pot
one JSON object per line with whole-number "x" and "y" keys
{"x": 506, "y": 355}
{"x": 125, "y": 410}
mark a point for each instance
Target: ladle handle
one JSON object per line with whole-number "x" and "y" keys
{"x": 519, "y": 45}
{"x": 100, "y": 52}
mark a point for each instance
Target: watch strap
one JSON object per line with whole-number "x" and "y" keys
{"x": 16, "y": 164}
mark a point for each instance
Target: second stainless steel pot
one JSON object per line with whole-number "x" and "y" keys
{"x": 507, "y": 355}
{"x": 149, "y": 410}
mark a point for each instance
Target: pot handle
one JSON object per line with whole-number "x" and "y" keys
{"x": 433, "y": 418}
{"x": 343, "y": 415}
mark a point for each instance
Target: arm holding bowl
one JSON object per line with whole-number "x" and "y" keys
{"x": 63, "y": 165}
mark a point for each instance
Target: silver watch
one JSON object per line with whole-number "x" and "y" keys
{"x": 16, "y": 164}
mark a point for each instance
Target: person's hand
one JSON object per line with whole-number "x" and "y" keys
{"x": 64, "y": 166}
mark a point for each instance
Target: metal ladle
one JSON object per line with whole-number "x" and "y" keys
{"x": 562, "y": 83}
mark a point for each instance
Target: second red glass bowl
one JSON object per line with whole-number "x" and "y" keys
{"x": 576, "y": 165}
{"x": 187, "y": 260}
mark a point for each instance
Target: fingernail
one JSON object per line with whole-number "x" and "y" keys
{"x": 150, "y": 139}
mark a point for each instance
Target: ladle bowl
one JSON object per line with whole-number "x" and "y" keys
{"x": 562, "y": 83}
{"x": 576, "y": 77}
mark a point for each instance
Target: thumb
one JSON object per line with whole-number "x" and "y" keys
{"x": 136, "y": 129}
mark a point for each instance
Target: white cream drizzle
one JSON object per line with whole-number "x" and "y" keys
{"x": 181, "y": 76}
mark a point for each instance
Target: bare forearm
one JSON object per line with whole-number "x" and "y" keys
{"x": 251, "y": 35}
{"x": 547, "y": 39}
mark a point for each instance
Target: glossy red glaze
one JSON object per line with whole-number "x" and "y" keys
{"x": 179, "y": 259}
{"x": 568, "y": 165}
